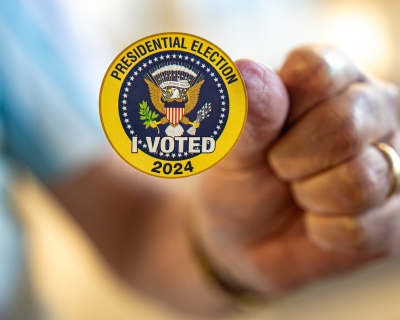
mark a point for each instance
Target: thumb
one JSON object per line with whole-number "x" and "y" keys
{"x": 268, "y": 105}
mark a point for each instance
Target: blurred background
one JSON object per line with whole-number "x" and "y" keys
{"x": 69, "y": 277}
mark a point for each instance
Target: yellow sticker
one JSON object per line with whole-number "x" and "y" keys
{"x": 172, "y": 104}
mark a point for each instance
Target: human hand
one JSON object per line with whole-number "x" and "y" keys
{"x": 304, "y": 193}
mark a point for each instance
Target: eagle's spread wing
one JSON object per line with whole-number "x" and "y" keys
{"x": 192, "y": 96}
{"x": 155, "y": 96}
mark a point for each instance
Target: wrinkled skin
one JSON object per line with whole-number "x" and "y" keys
{"x": 303, "y": 194}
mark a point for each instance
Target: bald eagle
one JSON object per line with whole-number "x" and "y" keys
{"x": 174, "y": 105}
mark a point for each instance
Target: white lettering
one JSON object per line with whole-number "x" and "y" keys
{"x": 193, "y": 144}
{"x": 207, "y": 145}
{"x": 153, "y": 146}
{"x": 171, "y": 145}
{"x": 180, "y": 140}
{"x": 134, "y": 145}
{"x": 177, "y": 144}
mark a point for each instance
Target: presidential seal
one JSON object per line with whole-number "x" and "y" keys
{"x": 172, "y": 104}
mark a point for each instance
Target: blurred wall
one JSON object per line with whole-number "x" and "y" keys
{"x": 267, "y": 30}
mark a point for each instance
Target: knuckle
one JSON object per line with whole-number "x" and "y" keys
{"x": 307, "y": 68}
{"x": 389, "y": 90}
{"x": 341, "y": 128}
{"x": 346, "y": 140}
{"x": 347, "y": 127}
{"x": 321, "y": 70}
{"x": 337, "y": 233}
{"x": 393, "y": 94}
{"x": 353, "y": 234}
{"x": 360, "y": 187}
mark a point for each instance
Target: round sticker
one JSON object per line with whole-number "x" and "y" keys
{"x": 172, "y": 104}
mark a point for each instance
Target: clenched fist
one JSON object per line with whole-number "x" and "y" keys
{"x": 304, "y": 193}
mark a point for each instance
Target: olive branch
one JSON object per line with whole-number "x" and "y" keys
{"x": 147, "y": 115}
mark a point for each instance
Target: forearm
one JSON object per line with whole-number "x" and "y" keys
{"x": 138, "y": 224}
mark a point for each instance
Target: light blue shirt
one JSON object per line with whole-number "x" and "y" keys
{"x": 47, "y": 118}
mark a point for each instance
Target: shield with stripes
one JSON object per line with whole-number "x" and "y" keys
{"x": 175, "y": 114}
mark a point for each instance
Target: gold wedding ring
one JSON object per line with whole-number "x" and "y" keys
{"x": 394, "y": 161}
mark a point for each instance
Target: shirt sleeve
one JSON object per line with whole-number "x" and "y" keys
{"x": 49, "y": 109}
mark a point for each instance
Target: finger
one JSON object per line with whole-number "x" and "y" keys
{"x": 241, "y": 191}
{"x": 375, "y": 231}
{"x": 336, "y": 130}
{"x": 350, "y": 188}
{"x": 312, "y": 74}
{"x": 267, "y": 110}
